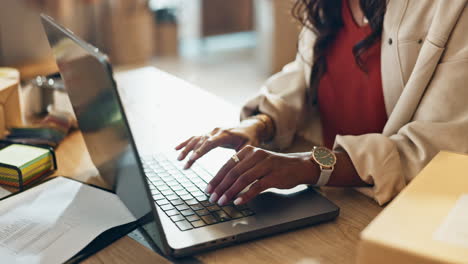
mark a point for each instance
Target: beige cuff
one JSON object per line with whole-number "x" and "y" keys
{"x": 377, "y": 162}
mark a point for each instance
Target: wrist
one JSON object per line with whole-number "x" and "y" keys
{"x": 311, "y": 169}
{"x": 263, "y": 126}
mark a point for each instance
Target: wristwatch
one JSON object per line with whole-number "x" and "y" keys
{"x": 326, "y": 159}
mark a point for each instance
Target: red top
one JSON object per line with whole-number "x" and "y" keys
{"x": 350, "y": 100}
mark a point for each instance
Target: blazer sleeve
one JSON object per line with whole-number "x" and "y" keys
{"x": 282, "y": 98}
{"x": 440, "y": 122}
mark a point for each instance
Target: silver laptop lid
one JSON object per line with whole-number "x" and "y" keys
{"x": 88, "y": 80}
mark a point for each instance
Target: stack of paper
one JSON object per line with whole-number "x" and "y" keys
{"x": 52, "y": 222}
{"x": 33, "y": 162}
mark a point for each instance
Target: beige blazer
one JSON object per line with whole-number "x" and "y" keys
{"x": 425, "y": 86}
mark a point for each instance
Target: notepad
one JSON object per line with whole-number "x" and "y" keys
{"x": 31, "y": 161}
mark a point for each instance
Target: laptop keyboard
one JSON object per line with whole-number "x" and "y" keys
{"x": 179, "y": 193}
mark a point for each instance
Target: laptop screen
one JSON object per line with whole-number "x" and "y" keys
{"x": 88, "y": 80}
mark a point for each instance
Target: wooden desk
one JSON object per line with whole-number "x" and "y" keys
{"x": 188, "y": 111}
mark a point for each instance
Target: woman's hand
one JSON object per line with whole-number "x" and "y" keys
{"x": 247, "y": 133}
{"x": 263, "y": 169}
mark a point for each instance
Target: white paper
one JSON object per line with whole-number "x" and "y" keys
{"x": 4, "y": 192}
{"x": 454, "y": 229}
{"x": 55, "y": 220}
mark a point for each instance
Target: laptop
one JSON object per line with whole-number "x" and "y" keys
{"x": 174, "y": 213}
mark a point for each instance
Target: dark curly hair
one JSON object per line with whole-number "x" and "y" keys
{"x": 323, "y": 17}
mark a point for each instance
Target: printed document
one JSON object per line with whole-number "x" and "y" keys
{"x": 52, "y": 222}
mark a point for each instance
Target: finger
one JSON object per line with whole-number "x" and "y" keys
{"x": 225, "y": 169}
{"x": 214, "y": 141}
{"x": 201, "y": 150}
{"x": 253, "y": 158}
{"x": 254, "y": 190}
{"x": 183, "y": 144}
{"x": 247, "y": 178}
{"x": 188, "y": 148}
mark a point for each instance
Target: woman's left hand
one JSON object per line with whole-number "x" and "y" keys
{"x": 265, "y": 169}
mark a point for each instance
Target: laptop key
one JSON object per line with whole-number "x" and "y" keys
{"x": 209, "y": 219}
{"x": 158, "y": 197}
{"x": 232, "y": 212}
{"x": 162, "y": 187}
{"x": 187, "y": 212}
{"x": 167, "y": 192}
{"x": 167, "y": 207}
{"x": 186, "y": 197}
{"x": 201, "y": 198}
{"x": 221, "y": 216}
{"x": 177, "y": 188}
{"x": 198, "y": 223}
{"x": 191, "y": 202}
{"x": 197, "y": 193}
{"x": 182, "y": 207}
{"x": 206, "y": 203}
{"x": 196, "y": 207}
{"x": 202, "y": 212}
{"x": 192, "y": 218}
{"x": 184, "y": 225}
{"x": 162, "y": 202}
{"x": 172, "y": 197}
{"x": 181, "y": 192}
{"x": 201, "y": 185}
{"x": 177, "y": 202}
{"x": 190, "y": 187}
{"x": 213, "y": 208}
{"x": 172, "y": 212}
{"x": 173, "y": 184}
{"x": 177, "y": 217}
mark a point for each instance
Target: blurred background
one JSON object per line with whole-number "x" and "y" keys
{"x": 228, "y": 47}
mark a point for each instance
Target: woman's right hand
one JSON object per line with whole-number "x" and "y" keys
{"x": 247, "y": 133}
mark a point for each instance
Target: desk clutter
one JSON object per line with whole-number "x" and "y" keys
{"x": 21, "y": 165}
{"x": 26, "y": 149}
{"x": 10, "y": 105}
{"x": 56, "y": 220}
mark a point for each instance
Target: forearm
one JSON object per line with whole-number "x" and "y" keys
{"x": 344, "y": 173}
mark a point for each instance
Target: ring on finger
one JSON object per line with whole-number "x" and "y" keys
{"x": 235, "y": 158}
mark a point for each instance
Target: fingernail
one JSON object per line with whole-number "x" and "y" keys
{"x": 209, "y": 189}
{"x": 193, "y": 156}
{"x": 213, "y": 198}
{"x": 222, "y": 200}
{"x": 181, "y": 155}
{"x": 186, "y": 166}
{"x": 238, "y": 201}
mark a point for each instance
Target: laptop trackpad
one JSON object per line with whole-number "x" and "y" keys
{"x": 301, "y": 201}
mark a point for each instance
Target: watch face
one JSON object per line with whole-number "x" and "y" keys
{"x": 324, "y": 157}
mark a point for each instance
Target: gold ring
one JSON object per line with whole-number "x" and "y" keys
{"x": 235, "y": 158}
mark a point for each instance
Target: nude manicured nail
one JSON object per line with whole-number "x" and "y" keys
{"x": 222, "y": 200}
{"x": 209, "y": 189}
{"x": 213, "y": 198}
{"x": 238, "y": 201}
{"x": 180, "y": 157}
{"x": 193, "y": 156}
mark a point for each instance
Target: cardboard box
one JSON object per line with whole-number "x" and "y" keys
{"x": 167, "y": 42}
{"x": 427, "y": 222}
{"x": 10, "y": 105}
{"x": 129, "y": 33}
